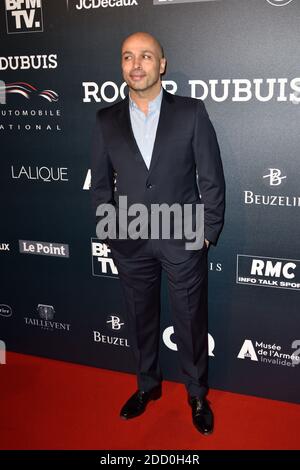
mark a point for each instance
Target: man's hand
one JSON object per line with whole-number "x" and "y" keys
{"x": 207, "y": 242}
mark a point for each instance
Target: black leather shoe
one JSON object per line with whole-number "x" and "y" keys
{"x": 202, "y": 415}
{"x": 137, "y": 404}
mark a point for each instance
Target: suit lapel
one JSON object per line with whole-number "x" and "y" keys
{"x": 126, "y": 128}
{"x": 162, "y": 128}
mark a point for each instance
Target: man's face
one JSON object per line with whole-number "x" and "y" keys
{"x": 142, "y": 63}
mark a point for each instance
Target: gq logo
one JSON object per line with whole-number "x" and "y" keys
{"x": 24, "y": 16}
{"x": 279, "y": 3}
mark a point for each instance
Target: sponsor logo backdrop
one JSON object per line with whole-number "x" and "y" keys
{"x": 59, "y": 63}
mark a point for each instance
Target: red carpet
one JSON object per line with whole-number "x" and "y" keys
{"x": 48, "y": 404}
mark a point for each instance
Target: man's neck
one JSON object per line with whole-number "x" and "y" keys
{"x": 142, "y": 99}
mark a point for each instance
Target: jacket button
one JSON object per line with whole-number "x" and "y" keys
{"x": 149, "y": 186}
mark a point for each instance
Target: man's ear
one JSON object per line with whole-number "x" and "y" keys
{"x": 163, "y": 65}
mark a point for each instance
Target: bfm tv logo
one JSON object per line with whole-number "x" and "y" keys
{"x": 24, "y": 16}
{"x": 268, "y": 272}
{"x": 102, "y": 263}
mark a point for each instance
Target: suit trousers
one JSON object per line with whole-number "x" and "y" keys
{"x": 140, "y": 278}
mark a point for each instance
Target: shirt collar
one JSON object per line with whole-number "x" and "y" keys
{"x": 153, "y": 106}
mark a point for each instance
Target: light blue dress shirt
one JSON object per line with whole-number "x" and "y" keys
{"x": 145, "y": 126}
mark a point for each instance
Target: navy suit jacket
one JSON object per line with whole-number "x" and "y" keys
{"x": 185, "y": 143}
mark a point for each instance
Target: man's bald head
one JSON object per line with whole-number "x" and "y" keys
{"x": 145, "y": 36}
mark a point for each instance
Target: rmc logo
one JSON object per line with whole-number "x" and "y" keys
{"x": 268, "y": 272}
{"x": 274, "y": 177}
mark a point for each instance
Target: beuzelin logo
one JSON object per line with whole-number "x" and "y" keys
{"x": 274, "y": 177}
{"x": 4, "y": 247}
{"x": 169, "y": 2}
{"x": 115, "y": 322}
{"x": 88, "y": 4}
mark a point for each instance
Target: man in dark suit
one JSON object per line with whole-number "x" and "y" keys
{"x": 157, "y": 148}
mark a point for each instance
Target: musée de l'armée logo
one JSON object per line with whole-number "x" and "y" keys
{"x": 275, "y": 179}
{"x": 28, "y": 62}
{"x": 268, "y": 272}
{"x": 24, "y": 16}
{"x": 270, "y": 354}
